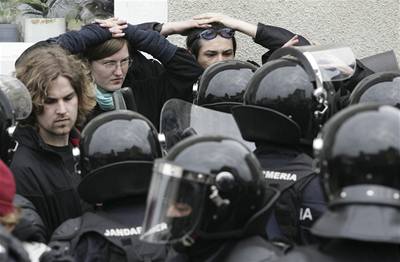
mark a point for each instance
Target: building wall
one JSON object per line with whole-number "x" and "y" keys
{"x": 367, "y": 26}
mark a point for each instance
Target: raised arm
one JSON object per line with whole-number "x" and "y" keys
{"x": 271, "y": 37}
{"x": 79, "y": 41}
{"x": 239, "y": 25}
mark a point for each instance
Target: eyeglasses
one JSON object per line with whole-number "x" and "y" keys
{"x": 211, "y": 33}
{"x": 112, "y": 65}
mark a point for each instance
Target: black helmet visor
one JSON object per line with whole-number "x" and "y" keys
{"x": 174, "y": 203}
{"x": 19, "y": 103}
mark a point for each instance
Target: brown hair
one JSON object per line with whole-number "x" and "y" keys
{"x": 43, "y": 65}
{"x": 193, "y": 43}
{"x": 105, "y": 49}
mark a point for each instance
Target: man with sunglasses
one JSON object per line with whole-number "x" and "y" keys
{"x": 211, "y": 36}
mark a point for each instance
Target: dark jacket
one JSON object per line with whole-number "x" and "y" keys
{"x": 249, "y": 249}
{"x": 153, "y": 82}
{"x": 11, "y": 249}
{"x": 273, "y": 38}
{"x": 355, "y": 228}
{"x": 110, "y": 234}
{"x": 30, "y": 227}
{"x": 301, "y": 201}
{"x": 44, "y": 179}
{"x": 341, "y": 250}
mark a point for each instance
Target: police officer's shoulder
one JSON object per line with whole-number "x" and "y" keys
{"x": 253, "y": 249}
{"x": 11, "y": 249}
{"x": 304, "y": 254}
{"x": 67, "y": 230}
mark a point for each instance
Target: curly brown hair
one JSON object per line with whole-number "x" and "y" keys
{"x": 43, "y": 65}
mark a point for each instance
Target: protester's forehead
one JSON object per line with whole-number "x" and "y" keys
{"x": 217, "y": 44}
{"x": 60, "y": 87}
{"x": 119, "y": 55}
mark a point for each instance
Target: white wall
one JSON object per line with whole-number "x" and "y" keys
{"x": 9, "y": 52}
{"x": 367, "y": 26}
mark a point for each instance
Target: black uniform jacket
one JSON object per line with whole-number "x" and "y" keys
{"x": 344, "y": 251}
{"x": 44, "y": 179}
{"x": 111, "y": 234}
{"x": 250, "y": 249}
{"x": 301, "y": 201}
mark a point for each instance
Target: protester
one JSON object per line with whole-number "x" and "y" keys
{"x": 10, "y": 217}
{"x": 44, "y": 164}
{"x": 116, "y": 61}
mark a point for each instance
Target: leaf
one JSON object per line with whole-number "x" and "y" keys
{"x": 36, "y": 5}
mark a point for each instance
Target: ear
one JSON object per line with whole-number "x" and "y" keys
{"x": 190, "y": 52}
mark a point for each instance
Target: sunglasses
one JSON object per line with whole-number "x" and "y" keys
{"x": 209, "y": 34}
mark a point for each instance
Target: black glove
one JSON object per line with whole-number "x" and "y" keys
{"x": 178, "y": 135}
{"x": 59, "y": 253}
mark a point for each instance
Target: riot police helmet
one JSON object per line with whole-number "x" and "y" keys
{"x": 222, "y": 85}
{"x": 290, "y": 97}
{"x": 360, "y": 146}
{"x": 382, "y": 87}
{"x": 15, "y": 104}
{"x": 358, "y": 158}
{"x": 117, "y": 150}
{"x": 207, "y": 187}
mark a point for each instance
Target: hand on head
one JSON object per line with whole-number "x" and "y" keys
{"x": 292, "y": 41}
{"x": 180, "y": 27}
{"x": 114, "y": 25}
{"x": 208, "y": 18}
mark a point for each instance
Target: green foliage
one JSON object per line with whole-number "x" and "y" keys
{"x": 8, "y": 11}
{"x": 39, "y": 7}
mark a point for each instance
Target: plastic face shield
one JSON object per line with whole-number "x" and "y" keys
{"x": 322, "y": 63}
{"x": 174, "y": 203}
{"x": 19, "y": 99}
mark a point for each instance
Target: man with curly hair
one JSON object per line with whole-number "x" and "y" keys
{"x": 44, "y": 165}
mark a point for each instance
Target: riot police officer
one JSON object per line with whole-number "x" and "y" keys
{"x": 15, "y": 104}
{"x": 207, "y": 199}
{"x": 358, "y": 158}
{"x": 117, "y": 150}
{"x": 286, "y": 102}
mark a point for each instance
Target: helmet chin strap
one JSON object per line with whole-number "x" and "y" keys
{"x": 248, "y": 227}
{"x": 187, "y": 241}
{"x": 217, "y": 199}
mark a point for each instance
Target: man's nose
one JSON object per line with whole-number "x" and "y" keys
{"x": 61, "y": 107}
